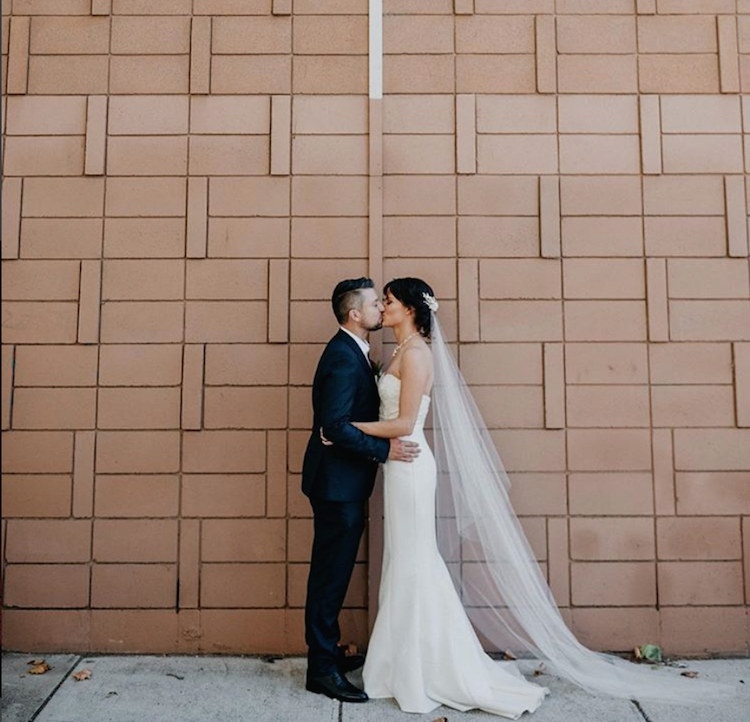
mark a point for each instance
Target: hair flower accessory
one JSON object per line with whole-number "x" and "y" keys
{"x": 431, "y": 302}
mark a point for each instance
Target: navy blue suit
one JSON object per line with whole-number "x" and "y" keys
{"x": 339, "y": 480}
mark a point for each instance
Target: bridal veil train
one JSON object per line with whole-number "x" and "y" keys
{"x": 505, "y": 594}
{"x": 450, "y": 510}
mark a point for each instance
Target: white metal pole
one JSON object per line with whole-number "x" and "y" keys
{"x": 376, "y": 48}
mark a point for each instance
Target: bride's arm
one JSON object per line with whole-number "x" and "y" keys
{"x": 414, "y": 375}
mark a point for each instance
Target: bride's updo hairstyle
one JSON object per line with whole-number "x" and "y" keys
{"x": 410, "y": 292}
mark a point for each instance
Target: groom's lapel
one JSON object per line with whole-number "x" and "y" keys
{"x": 353, "y": 344}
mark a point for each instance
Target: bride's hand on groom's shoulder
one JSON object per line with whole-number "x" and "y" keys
{"x": 325, "y": 441}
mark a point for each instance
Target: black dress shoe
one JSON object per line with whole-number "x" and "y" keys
{"x": 336, "y": 686}
{"x": 351, "y": 662}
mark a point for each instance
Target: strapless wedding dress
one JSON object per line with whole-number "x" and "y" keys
{"x": 423, "y": 650}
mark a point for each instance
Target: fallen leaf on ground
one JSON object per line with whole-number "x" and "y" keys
{"x": 539, "y": 670}
{"x": 689, "y": 674}
{"x": 83, "y": 674}
{"x": 39, "y": 668}
{"x": 509, "y": 655}
{"x": 35, "y": 661}
{"x": 440, "y": 719}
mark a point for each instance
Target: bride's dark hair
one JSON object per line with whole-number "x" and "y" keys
{"x": 409, "y": 291}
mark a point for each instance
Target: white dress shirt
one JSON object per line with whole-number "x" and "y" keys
{"x": 360, "y": 342}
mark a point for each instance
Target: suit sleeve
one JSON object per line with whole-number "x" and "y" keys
{"x": 339, "y": 387}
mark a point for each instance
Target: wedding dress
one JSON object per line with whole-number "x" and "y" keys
{"x": 452, "y": 504}
{"x": 423, "y": 650}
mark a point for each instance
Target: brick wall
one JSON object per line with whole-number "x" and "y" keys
{"x": 186, "y": 180}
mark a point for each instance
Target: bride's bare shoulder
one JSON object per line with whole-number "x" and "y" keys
{"x": 419, "y": 354}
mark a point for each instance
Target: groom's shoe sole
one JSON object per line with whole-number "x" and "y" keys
{"x": 311, "y": 686}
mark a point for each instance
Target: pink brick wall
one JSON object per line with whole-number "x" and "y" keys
{"x": 185, "y": 180}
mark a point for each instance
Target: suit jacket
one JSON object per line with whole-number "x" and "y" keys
{"x": 344, "y": 390}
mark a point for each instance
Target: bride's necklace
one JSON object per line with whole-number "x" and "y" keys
{"x": 408, "y": 338}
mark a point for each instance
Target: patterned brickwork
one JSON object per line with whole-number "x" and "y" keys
{"x": 184, "y": 181}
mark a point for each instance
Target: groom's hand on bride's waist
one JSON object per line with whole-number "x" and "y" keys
{"x": 399, "y": 451}
{"x": 403, "y": 450}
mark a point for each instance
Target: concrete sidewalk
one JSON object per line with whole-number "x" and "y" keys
{"x": 150, "y": 688}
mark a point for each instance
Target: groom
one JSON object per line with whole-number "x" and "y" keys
{"x": 338, "y": 476}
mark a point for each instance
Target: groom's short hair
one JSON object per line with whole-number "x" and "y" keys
{"x": 347, "y": 296}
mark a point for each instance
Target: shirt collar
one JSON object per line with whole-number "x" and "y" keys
{"x": 364, "y": 345}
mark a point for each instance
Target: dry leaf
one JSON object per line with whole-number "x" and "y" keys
{"x": 39, "y": 668}
{"x": 83, "y": 674}
{"x": 689, "y": 674}
{"x": 539, "y": 670}
{"x": 440, "y": 719}
{"x": 509, "y": 655}
{"x": 637, "y": 653}
{"x": 35, "y": 661}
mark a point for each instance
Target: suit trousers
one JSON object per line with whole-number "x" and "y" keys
{"x": 338, "y": 527}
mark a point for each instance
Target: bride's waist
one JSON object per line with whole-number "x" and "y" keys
{"x": 416, "y": 435}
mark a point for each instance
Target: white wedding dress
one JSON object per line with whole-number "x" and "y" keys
{"x": 423, "y": 650}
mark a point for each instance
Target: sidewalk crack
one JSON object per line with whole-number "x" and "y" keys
{"x": 76, "y": 662}
{"x": 640, "y": 709}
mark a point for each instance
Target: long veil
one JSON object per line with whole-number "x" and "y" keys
{"x": 494, "y": 568}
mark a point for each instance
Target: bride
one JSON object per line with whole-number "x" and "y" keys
{"x": 452, "y": 509}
